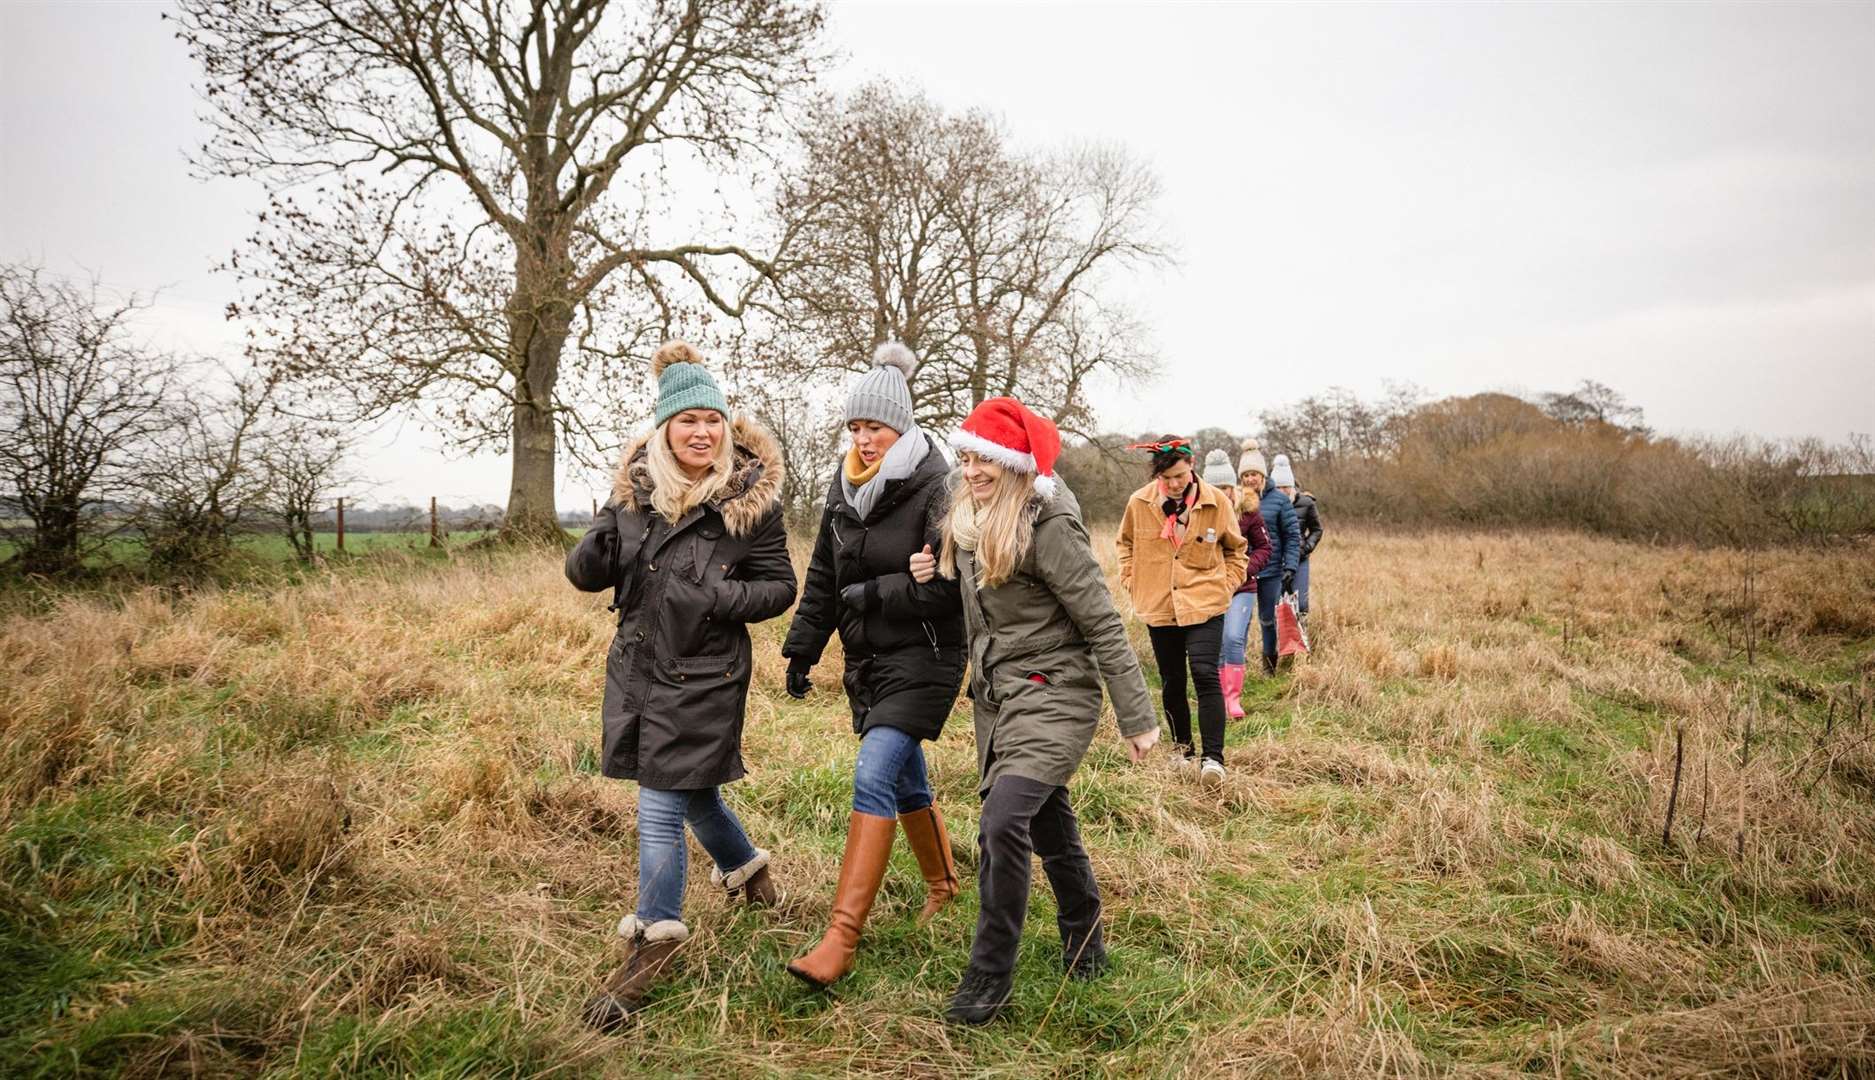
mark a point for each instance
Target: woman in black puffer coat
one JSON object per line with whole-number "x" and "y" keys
{"x": 903, "y": 643}
{"x": 693, "y": 547}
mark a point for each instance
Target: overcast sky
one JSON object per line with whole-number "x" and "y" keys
{"x": 1676, "y": 200}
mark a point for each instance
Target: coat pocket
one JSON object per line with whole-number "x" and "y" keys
{"x": 693, "y": 714}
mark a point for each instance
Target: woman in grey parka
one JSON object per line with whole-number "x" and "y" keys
{"x": 1043, "y": 636}
{"x": 693, "y": 547}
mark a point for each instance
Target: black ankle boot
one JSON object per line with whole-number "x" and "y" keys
{"x": 1087, "y": 963}
{"x": 980, "y": 996}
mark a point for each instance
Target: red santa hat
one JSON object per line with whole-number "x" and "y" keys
{"x": 1007, "y": 432}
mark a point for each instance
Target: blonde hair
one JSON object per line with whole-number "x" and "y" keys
{"x": 1247, "y": 499}
{"x": 673, "y": 492}
{"x": 1000, "y": 534}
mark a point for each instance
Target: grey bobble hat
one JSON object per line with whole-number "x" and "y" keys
{"x": 683, "y": 382}
{"x": 884, "y": 392}
{"x": 1217, "y": 470}
{"x": 1281, "y": 475}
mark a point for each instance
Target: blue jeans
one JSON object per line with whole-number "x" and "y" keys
{"x": 662, "y": 858}
{"x": 889, "y": 776}
{"x": 1302, "y": 586}
{"x": 1269, "y": 591}
{"x": 1237, "y": 620}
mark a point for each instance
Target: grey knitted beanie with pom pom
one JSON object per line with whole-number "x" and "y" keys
{"x": 884, "y": 393}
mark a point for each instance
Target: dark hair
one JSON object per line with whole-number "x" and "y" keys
{"x": 1163, "y": 460}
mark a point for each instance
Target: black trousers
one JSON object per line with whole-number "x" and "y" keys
{"x": 1023, "y": 816}
{"x": 1175, "y": 648}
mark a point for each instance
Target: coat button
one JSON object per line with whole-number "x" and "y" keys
{"x": 640, "y": 635}
{"x": 654, "y": 568}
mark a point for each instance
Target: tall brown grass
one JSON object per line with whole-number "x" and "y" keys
{"x": 370, "y": 798}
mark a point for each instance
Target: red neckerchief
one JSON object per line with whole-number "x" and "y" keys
{"x": 1179, "y": 509}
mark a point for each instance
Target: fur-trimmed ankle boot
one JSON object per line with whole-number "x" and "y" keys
{"x": 649, "y": 950}
{"x": 751, "y": 879}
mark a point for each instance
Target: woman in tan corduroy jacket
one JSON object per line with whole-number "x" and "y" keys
{"x": 1181, "y": 557}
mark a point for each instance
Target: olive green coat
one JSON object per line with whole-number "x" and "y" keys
{"x": 1053, "y": 619}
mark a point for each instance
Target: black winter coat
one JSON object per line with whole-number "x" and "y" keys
{"x": 677, "y": 673}
{"x": 905, "y": 651}
{"x": 1310, "y": 521}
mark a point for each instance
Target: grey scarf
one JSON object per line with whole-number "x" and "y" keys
{"x": 900, "y": 462}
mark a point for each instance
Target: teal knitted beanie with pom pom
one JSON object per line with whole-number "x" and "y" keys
{"x": 683, "y": 382}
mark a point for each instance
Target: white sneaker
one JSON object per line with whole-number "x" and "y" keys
{"x": 1211, "y": 774}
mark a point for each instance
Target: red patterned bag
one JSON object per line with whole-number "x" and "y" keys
{"x": 1290, "y": 639}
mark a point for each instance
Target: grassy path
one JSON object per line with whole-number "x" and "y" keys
{"x": 353, "y": 827}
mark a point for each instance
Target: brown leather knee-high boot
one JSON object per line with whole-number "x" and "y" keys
{"x": 868, "y": 843}
{"x": 925, "y": 832}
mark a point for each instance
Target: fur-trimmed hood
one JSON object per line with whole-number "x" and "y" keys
{"x": 753, "y": 491}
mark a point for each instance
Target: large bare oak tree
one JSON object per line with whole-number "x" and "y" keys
{"x": 472, "y": 200}
{"x": 993, "y": 263}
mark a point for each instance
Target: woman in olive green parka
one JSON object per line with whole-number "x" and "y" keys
{"x": 1043, "y": 636}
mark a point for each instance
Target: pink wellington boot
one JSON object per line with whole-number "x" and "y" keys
{"x": 1231, "y": 676}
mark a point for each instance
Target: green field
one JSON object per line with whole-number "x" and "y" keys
{"x": 127, "y": 553}
{"x": 352, "y": 826}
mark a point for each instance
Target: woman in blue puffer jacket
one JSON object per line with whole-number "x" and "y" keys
{"x": 1278, "y": 576}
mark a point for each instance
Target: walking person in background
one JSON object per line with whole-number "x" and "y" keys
{"x": 1279, "y": 518}
{"x": 1242, "y": 612}
{"x": 903, "y": 641}
{"x": 1043, "y": 636}
{"x": 1310, "y": 522}
{"x": 692, "y": 545}
{"x": 1181, "y": 558}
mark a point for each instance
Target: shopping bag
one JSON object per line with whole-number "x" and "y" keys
{"x": 1290, "y": 639}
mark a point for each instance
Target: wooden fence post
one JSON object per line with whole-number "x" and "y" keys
{"x": 341, "y": 523}
{"x": 436, "y": 539}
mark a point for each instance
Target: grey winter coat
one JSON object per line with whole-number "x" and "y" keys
{"x": 905, "y": 648}
{"x": 677, "y": 673}
{"x": 1041, "y": 644}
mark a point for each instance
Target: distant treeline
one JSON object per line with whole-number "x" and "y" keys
{"x": 1580, "y": 460}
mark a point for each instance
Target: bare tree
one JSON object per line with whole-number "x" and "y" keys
{"x": 199, "y": 482}
{"x": 79, "y": 396}
{"x": 809, "y": 429}
{"x": 462, "y": 189}
{"x": 910, "y": 223}
{"x": 302, "y": 469}
{"x": 1324, "y": 428}
{"x": 1594, "y": 403}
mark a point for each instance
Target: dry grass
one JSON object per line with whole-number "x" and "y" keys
{"x": 354, "y": 827}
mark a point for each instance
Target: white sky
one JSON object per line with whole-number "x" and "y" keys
{"x": 1677, "y": 200}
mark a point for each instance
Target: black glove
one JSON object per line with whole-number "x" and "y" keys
{"x": 798, "y": 682}
{"x": 854, "y": 595}
{"x": 1289, "y": 582}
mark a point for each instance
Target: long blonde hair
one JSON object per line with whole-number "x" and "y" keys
{"x": 999, "y": 535}
{"x": 673, "y": 492}
{"x": 1248, "y": 500}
